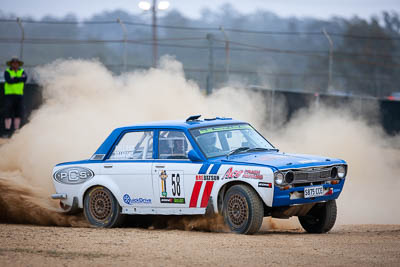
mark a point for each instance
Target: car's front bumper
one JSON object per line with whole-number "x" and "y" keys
{"x": 285, "y": 197}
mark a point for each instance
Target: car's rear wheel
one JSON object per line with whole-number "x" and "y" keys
{"x": 101, "y": 208}
{"x": 243, "y": 210}
{"x": 321, "y": 218}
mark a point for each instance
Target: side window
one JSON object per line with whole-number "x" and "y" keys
{"x": 173, "y": 145}
{"x": 134, "y": 145}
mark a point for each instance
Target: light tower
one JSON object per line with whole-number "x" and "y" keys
{"x": 154, "y": 6}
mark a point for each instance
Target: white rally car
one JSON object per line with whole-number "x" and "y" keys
{"x": 197, "y": 167}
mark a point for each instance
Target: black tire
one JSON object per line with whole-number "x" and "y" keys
{"x": 101, "y": 209}
{"x": 243, "y": 210}
{"x": 321, "y": 218}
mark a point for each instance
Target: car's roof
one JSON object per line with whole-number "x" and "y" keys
{"x": 181, "y": 124}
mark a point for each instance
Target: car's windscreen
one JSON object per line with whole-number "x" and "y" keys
{"x": 229, "y": 139}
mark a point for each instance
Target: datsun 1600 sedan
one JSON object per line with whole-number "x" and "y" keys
{"x": 199, "y": 167}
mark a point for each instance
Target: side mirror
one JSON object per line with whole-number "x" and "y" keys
{"x": 194, "y": 156}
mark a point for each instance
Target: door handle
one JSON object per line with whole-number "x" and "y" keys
{"x": 160, "y": 166}
{"x": 108, "y": 166}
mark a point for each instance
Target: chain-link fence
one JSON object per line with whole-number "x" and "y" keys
{"x": 210, "y": 56}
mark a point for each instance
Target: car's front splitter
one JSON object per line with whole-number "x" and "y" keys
{"x": 283, "y": 197}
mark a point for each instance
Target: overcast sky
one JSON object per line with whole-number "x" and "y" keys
{"x": 192, "y": 8}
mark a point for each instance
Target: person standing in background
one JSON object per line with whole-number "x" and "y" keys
{"x": 15, "y": 78}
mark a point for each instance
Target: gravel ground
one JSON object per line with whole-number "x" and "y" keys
{"x": 348, "y": 245}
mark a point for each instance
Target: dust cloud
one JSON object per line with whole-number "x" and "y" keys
{"x": 20, "y": 203}
{"x": 210, "y": 223}
{"x": 371, "y": 191}
{"x": 84, "y": 102}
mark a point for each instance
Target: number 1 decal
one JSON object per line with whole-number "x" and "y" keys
{"x": 163, "y": 176}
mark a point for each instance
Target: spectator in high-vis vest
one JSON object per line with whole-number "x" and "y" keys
{"x": 15, "y": 78}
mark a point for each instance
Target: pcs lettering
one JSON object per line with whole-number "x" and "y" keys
{"x": 73, "y": 175}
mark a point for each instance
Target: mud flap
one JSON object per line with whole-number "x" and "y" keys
{"x": 210, "y": 208}
{"x": 71, "y": 209}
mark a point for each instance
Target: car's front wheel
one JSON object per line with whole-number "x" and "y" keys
{"x": 243, "y": 210}
{"x": 101, "y": 208}
{"x": 321, "y": 218}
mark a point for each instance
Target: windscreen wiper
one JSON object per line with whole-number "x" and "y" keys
{"x": 237, "y": 150}
{"x": 262, "y": 149}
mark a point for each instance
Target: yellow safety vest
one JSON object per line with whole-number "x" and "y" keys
{"x": 14, "y": 88}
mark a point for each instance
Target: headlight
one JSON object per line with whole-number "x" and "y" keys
{"x": 289, "y": 177}
{"x": 334, "y": 172}
{"x": 341, "y": 172}
{"x": 279, "y": 178}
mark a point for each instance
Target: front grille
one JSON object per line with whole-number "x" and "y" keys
{"x": 312, "y": 175}
{"x": 308, "y": 184}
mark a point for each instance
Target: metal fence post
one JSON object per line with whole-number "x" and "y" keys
{"x": 317, "y": 100}
{"x": 124, "y": 57}
{"x": 21, "y": 48}
{"x": 271, "y": 109}
{"x": 330, "y": 58}
{"x": 154, "y": 33}
{"x": 227, "y": 55}
{"x": 210, "y": 76}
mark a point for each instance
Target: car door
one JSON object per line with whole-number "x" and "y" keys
{"x": 173, "y": 173}
{"x": 129, "y": 166}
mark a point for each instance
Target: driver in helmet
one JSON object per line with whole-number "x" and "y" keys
{"x": 208, "y": 143}
{"x": 179, "y": 144}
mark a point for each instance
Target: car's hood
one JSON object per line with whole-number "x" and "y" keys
{"x": 280, "y": 160}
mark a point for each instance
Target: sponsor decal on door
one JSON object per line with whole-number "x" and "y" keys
{"x": 172, "y": 187}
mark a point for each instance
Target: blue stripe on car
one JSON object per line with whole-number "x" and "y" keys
{"x": 204, "y": 168}
{"x": 215, "y": 168}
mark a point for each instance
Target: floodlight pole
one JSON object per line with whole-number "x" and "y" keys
{"x": 124, "y": 57}
{"x": 21, "y": 48}
{"x": 154, "y": 27}
{"x": 330, "y": 57}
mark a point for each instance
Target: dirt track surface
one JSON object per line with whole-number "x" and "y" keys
{"x": 351, "y": 245}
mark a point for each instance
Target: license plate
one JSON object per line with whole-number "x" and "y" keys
{"x": 313, "y": 191}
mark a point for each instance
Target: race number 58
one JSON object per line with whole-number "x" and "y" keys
{"x": 176, "y": 184}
